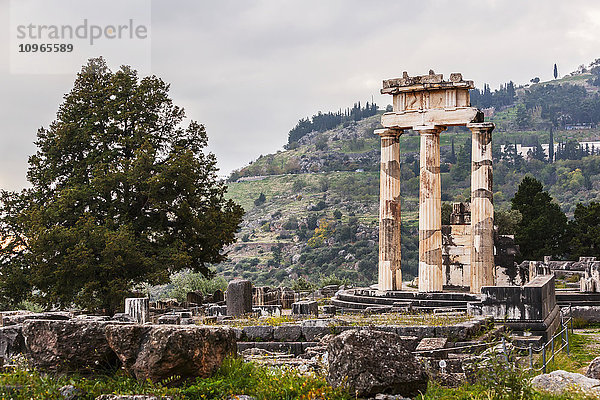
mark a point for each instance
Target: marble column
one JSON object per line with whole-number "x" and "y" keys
{"x": 482, "y": 207}
{"x": 431, "y": 278}
{"x": 390, "y": 274}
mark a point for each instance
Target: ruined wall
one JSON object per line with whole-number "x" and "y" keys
{"x": 456, "y": 255}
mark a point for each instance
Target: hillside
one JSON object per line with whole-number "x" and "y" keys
{"x": 317, "y": 215}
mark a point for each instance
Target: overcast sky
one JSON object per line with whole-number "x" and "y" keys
{"x": 248, "y": 70}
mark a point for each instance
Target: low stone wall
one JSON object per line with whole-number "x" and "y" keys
{"x": 295, "y": 338}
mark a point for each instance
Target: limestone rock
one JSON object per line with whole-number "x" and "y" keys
{"x": 563, "y": 382}
{"x": 239, "y": 297}
{"x": 593, "y": 370}
{"x": 11, "y": 340}
{"x": 66, "y": 346}
{"x": 306, "y": 308}
{"x": 369, "y": 362}
{"x": 160, "y": 351}
{"x": 70, "y": 392}
{"x": 17, "y": 317}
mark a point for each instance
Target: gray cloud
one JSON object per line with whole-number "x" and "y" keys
{"x": 249, "y": 70}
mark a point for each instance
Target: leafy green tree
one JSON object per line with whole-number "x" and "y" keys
{"x": 121, "y": 194}
{"x": 507, "y": 221}
{"x": 543, "y": 227}
{"x": 585, "y": 231}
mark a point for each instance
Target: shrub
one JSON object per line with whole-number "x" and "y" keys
{"x": 185, "y": 282}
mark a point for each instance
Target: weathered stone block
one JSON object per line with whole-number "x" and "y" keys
{"x": 287, "y": 333}
{"x": 68, "y": 346}
{"x": 159, "y": 352}
{"x": 306, "y": 308}
{"x": 369, "y": 362}
{"x": 169, "y": 319}
{"x": 258, "y": 333}
{"x": 239, "y": 297}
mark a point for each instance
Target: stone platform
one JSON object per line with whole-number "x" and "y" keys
{"x": 362, "y": 299}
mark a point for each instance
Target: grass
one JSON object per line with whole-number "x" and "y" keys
{"x": 235, "y": 377}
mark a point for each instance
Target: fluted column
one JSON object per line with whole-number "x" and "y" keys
{"x": 390, "y": 274}
{"x": 430, "y": 212}
{"x": 482, "y": 207}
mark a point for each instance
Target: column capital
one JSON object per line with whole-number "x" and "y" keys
{"x": 429, "y": 129}
{"x": 388, "y": 132}
{"x": 481, "y": 126}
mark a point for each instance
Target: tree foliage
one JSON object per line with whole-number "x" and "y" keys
{"x": 543, "y": 227}
{"x": 585, "y": 231}
{"x": 322, "y": 122}
{"x": 121, "y": 194}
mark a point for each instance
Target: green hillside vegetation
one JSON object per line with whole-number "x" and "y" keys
{"x": 317, "y": 216}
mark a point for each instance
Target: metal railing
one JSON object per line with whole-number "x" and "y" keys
{"x": 557, "y": 343}
{"x": 551, "y": 346}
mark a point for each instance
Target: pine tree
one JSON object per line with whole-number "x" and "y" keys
{"x": 121, "y": 194}
{"x": 551, "y": 145}
{"x": 543, "y": 228}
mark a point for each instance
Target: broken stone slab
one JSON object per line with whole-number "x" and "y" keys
{"x": 563, "y": 382}
{"x": 216, "y": 311}
{"x": 431, "y": 347}
{"x": 295, "y": 348}
{"x": 169, "y": 319}
{"x": 17, "y": 317}
{"x": 157, "y": 352}
{"x": 307, "y": 307}
{"x": 68, "y": 346}
{"x": 287, "y": 333}
{"x": 369, "y": 362}
{"x": 122, "y": 317}
{"x": 239, "y": 297}
{"x": 268, "y": 310}
{"x": 258, "y": 333}
{"x": 419, "y": 331}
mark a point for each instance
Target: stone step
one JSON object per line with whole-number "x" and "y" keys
{"x": 523, "y": 341}
{"x": 295, "y": 348}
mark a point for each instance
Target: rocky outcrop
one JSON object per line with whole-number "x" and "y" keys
{"x": 67, "y": 346}
{"x": 563, "y": 382}
{"x": 369, "y": 362}
{"x": 159, "y": 352}
{"x": 593, "y": 370}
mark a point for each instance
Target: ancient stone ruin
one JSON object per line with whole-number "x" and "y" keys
{"x": 428, "y": 105}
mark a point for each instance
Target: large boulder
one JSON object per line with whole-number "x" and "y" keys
{"x": 66, "y": 346}
{"x": 158, "y": 352}
{"x": 563, "y": 382}
{"x": 368, "y": 362}
{"x": 593, "y": 370}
